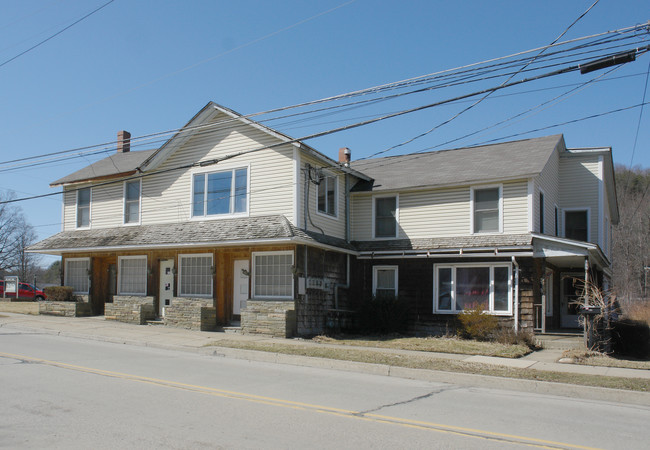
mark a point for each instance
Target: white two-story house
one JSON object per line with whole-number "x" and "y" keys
{"x": 230, "y": 220}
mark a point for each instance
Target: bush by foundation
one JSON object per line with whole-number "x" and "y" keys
{"x": 60, "y": 294}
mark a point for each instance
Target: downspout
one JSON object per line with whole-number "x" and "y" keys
{"x": 516, "y": 299}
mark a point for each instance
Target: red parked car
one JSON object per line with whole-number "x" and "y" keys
{"x": 25, "y": 291}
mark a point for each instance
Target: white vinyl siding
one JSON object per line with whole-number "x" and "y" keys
{"x": 579, "y": 179}
{"x": 167, "y": 197}
{"x": 332, "y": 225}
{"x": 441, "y": 212}
{"x": 547, "y": 182}
{"x": 132, "y": 275}
{"x": 77, "y": 274}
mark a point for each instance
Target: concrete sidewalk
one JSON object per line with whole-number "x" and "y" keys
{"x": 157, "y": 336}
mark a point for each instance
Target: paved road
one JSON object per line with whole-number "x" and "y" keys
{"x": 61, "y": 392}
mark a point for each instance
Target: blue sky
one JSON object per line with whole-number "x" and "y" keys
{"x": 149, "y": 66}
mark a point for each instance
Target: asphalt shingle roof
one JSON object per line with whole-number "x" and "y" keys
{"x": 456, "y": 167}
{"x": 183, "y": 234}
{"x": 117, "y": 163}
{"x": 456, "y": 242}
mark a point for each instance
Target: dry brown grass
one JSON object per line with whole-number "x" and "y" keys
{"x": 376, "y": 356}
{"x": 639, "y": 310}
{"x": 433, "y": 344}
{"x": 589, "y": 358}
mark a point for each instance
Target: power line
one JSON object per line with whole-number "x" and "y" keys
{"x": 56, "y": 34}
{"x": 368, "y": 91}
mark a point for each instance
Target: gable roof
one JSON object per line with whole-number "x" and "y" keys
{"x": 116, "y": 165}
{"x": 469, "y": 165}
{"x": 123, "y": 164}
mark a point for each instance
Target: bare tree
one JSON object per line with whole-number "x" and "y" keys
{"x": 10, "y": 220}
{"x": 631, "y": 237}
{"x": 25, "y": 264}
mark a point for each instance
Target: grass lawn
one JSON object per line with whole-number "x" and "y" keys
{"x": 375, "y": 355}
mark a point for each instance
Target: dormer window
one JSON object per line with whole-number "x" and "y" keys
{"x": 220, "y": 193}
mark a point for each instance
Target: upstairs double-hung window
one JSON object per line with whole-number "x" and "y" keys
{"x": 220, "y": 193}
{"x": 132, "y": 202}
{"x": 486, "y": 206}
{"x": 83, "y": 207}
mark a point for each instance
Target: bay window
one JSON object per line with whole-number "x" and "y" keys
{"x": 459, "y": 287}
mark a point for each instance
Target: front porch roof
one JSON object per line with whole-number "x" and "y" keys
{"x": 226, "y": 232}
{"x": 474, "y": 245}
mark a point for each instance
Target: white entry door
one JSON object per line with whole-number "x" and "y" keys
{"x": 241, "y": 278}
{"x": 166, "y": 289}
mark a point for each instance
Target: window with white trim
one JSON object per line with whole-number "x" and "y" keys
{"x": 77, "y": 274}
{"x": 272, "y": 274}
{"x": 195, "y": 275}
{"x": 385, "y": 281}
{"x": 132, "y": 275}
{"x": 576, "y": 225}
{"x": 83, "y": 207}
{"x": 220, "y": 193}
{"x": 327, "y": 194}
{"x": 385, "y": 217}
{"x": 458, "y": 287}
{"x": 486, "y": 210}
{"x": 132, "y": 202}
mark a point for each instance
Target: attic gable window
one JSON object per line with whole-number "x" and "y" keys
{"x": 220, "y": 193}
{"x": 327, "y": 191}
{"x": 83, "y": 208}
{"x": 132, "y": 202}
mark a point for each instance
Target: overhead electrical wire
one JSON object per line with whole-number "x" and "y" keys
{"x": 331, "y": 131}
{"x": 56, "y": 34}
{"x": 399, "y": 84}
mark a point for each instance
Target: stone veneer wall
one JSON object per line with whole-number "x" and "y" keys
{"x": 268, "y": 317}
{"x": 10, "y": 306}
{"x": 130, "y": 309}
{"x": 66, "y": 309}
{"x": 191, "y": 314}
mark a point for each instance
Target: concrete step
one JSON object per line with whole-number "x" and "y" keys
{"x": 155, "y": 322}
{"x": 232, "y": 330}
{"x": 560, "y": 341}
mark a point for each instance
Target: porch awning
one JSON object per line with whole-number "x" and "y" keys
{"x": 227, "y": 232}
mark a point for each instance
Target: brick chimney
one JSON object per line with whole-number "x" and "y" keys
{"x": 344, "y": 156}
{"x": 123, "y": 141}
